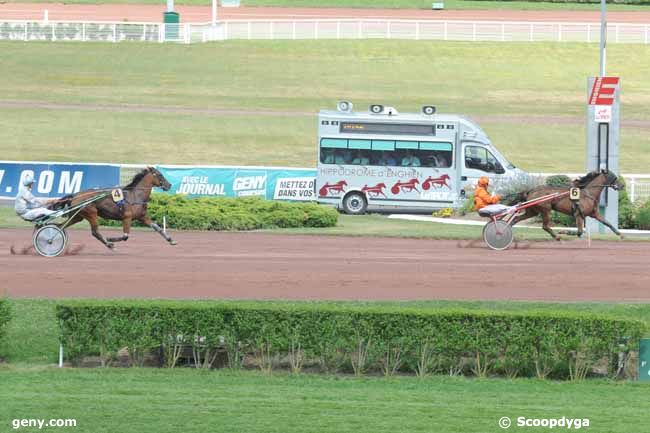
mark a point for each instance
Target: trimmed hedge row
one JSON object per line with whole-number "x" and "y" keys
{"x": 5, "y": 316}
{"x": 248, "y": 213}
{"x": 348, "y": 338}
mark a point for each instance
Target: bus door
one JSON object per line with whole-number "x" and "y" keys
{"x": 477, "y": 160}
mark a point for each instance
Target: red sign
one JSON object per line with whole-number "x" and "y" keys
{"x": 602, "y": 93}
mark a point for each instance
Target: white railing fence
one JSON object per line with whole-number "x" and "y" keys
{"x": 323, "y": 29}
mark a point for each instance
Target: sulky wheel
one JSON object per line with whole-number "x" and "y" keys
{"x": 50, "y": 240}
{"x": 497, "y": 235}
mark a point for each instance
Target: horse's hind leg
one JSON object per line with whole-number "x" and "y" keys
{"x": 126, "y": 227}
{"x": 91, "y": 215}
{"x": 546, "y": 225}
{"x": 147, "y": 221}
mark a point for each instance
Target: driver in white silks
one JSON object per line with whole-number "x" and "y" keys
{"x": 27, "y": 206}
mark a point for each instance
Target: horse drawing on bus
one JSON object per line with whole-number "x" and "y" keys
{"x": 374, "y": 191}
{"x": 334, "y": 189}
{"x": 438, "y": 182}
{"x": 408, "y": 186}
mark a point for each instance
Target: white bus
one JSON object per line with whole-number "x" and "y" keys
{"x": 385, "y": 159}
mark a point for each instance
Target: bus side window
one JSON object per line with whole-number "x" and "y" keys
{"x": 480, "y": 158}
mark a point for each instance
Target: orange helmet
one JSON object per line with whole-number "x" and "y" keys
{"x": 483, "y": 181}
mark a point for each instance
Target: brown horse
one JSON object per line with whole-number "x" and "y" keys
{"x": 131, "y": 206}
{"x": 591, "y": 185}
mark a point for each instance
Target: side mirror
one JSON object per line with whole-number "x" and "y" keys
{"x": 499, "y": 169}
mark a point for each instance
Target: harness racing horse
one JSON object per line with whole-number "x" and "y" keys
{"x": 591, "y": 185}
{"x": 132, "y": 205}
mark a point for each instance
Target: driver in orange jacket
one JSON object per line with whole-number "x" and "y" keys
{"x": 482, "y": 197}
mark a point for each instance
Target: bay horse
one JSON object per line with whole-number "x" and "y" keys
{"x": 591, "y": 186}
{"x": 132, "y": 206}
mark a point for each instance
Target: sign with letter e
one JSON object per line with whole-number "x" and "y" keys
{"x": 603, "y": 91}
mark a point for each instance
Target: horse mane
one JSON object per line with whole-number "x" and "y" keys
{"x": 581, "y": 182}
{"x": 137, "y": 178}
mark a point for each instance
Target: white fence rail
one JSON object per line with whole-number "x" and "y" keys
{"x": 497, "y": 31}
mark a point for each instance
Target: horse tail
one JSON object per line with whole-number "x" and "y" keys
{"x": 515, "y": 197}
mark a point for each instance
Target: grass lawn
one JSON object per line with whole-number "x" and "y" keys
{"x": 291, "y": 81}
{"x": 189, "y": 400}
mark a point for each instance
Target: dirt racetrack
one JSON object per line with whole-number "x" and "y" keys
{"x": 266, "y": 266}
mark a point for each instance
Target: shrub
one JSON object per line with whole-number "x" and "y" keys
{"x": 642, "y": 216}
{"x": 351, "y": 338}
{"x": 249, "y": 213}
{"x": 626, "y": 210}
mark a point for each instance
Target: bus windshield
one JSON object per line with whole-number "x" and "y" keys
{"x": 397, "y": 153}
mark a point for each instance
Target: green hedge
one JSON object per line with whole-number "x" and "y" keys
{"x": 349, "y": 338}
{"x": 249, "y": 213}
{"x": 5, "y": 316}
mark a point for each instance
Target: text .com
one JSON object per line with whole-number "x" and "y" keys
{"x": 43, "y": 423}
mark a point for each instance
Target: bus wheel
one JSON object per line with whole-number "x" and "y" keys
{"x": 355, "y": 203}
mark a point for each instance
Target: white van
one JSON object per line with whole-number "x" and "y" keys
{"x": 386, "y": 159}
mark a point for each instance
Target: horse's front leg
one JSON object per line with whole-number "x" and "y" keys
{"x": 126, "y": 229}
{"x": 148, "y": 222}
{"x": 601, "y": 219}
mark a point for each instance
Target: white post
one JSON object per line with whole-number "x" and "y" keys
{"x": 616, "y": 32}
{"x": 161, "y": 33}
{"x": 144, "y": 32}
{"x": 588, "y": 32}
{"x": 338, "y": 30}
{"x": 45, "y": 16}
{"x": 445, "y": 31}
{"x": 360, "y": 30}
{"x": 53, "y": 35}
{"x": 503, "y": 32}
{"x": 474, "y": 32}
{"x": 531, "y": 32}
{"x": 114, "y": 32}
{"x": 188, "y": 33}
{"x": 646, "y": 33}
{"x": 316, "y": 30}
{"x": 249, "y": 30}
{"x": 417, "y": 31}
{"x": 25, "y": 32}
{"x": 214, "y": 13}
{"x": 165, "y": 224}
{"x": 559, "y": 32}
{"x": 60, "y": 355}
{"x": 272, "y": 32}
{"x": 225, "y": 30}
{"x": 387, "y": 29}
{"x": 83, "y": 32}
{"x": 293, "y": 30}
{"x": 632, "y": 189}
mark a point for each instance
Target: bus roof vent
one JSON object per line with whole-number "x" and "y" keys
{"x": 344, "y": 106}
{"x": 381, "y": 109}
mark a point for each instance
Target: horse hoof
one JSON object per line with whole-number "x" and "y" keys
{"x": 172, "y": 242}
{"x": 110, "y": 246}
{"x": 557, "y": 238}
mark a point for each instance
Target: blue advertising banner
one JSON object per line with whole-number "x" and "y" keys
{"x": 56, "y": 179}
{"x": 268, "y": 183}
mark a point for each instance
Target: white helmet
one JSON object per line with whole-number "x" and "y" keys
{"x": 28, "y": 180}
